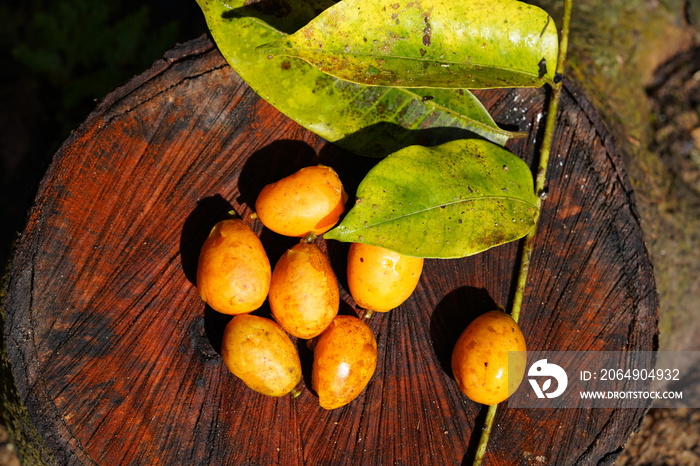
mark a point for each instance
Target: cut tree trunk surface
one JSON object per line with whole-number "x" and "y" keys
{"x": 117, "y": 358}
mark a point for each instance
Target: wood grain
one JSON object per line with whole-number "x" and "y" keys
{"x": 117, "y": 358}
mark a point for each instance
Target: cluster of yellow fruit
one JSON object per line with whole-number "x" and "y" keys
{"x": 234, "y": 277}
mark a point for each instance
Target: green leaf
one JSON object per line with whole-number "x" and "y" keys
{"x": 362, "y": 119}
{"x": 454, "y": 200}
{"x": 429, "y": 43}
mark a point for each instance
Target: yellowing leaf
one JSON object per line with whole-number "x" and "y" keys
{"x": 367, "y": 120}
{"x": 429, "y": 43}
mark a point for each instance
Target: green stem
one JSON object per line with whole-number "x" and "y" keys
{"x": 541, "y": 178}
{"x": 485, "y": 434}
{"x": 540, "y": 183}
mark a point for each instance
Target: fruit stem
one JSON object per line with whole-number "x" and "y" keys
{"x": 296, "y": 391}
{"x": 541, "y": 191}
{"x": 310, "y": 237}
{"x": 368, "y": 313}
{"x": 311, "y": 343}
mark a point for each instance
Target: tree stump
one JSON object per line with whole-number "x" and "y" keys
{"x": 117, "y": 358}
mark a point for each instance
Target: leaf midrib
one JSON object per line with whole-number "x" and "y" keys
{"x": 446, "y": 204}
{"x": 312, "y": 51}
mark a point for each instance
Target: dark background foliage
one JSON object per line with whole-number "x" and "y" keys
{"x": 60, "y": 58}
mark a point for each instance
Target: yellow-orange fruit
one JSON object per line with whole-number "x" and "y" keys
{"x": 261, "y": 354}
{"x": 380, "y": 279}
{"x": 480, "y": 360}
{"x": 345, "y": 358}
{"x": 233, "y": 273}
{"x": 304, "y": 295}
{"x": 308, "y": 201}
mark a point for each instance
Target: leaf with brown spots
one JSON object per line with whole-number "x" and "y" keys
{"x": 372, "y": 121}
{"x": 429, "y": 43}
